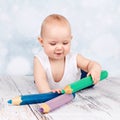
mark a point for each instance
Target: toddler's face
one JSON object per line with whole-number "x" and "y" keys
{"x": 57, "y": 40}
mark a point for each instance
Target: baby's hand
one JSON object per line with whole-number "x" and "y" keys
{"x": 56, "y": 90}
{"x": 95, "y": 73}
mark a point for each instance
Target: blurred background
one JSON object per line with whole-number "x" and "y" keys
{"x": 95, "y": 28}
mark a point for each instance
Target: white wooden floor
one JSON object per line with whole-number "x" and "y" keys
{"x": 99, "y": 103}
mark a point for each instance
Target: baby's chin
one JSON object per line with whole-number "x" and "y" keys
{"x": 58, "y": 57}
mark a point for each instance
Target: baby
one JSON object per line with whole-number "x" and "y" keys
{"x": 56, "y": 66}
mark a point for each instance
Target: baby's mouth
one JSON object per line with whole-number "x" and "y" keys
{"x": 58, "y": 54}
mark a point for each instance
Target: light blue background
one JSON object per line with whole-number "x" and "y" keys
{"x": 95, "y": 27}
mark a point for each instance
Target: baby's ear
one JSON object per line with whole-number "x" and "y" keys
{"x": 40, "y": 40}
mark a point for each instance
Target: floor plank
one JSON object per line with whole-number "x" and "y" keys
{"x": 8, "y": 89}
{"x": 102, "y": 102}
{"x": 26, "y": 85}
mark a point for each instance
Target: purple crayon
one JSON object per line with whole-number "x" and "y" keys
{"x": 56, "y": 103}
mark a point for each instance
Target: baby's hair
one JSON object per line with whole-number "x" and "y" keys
{"x": 53, "y": 18}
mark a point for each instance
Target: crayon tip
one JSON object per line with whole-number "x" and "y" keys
{"x": 41, "y": 110}
{"x": 10, "y": 101}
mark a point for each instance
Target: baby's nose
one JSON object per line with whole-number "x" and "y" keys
{"x": 59, "y": 47}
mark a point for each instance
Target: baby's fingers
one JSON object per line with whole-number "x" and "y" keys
{"x": 56, "y": 90}
{"x": 96, "y": 78}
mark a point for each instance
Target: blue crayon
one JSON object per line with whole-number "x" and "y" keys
{"x": 33, "y": 98}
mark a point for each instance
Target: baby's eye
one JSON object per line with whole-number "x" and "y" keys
{"x": 52, "y": 44}
{"x": 65, "y": 43}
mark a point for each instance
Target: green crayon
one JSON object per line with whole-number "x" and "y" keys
{"x": 82, "y": 83}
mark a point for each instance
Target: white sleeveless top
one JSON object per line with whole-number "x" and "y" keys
{"x": 71, "y": 72}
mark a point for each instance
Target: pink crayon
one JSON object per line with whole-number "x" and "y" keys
{"x": 56, "y": 103}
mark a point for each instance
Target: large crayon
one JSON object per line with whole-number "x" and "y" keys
{"x": 82, "y": 83}
{"x": 33, "y": 98}
{"x": 56, "y": 103}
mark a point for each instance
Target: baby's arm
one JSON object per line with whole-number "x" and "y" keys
{"x": 92, "y": 67}
{"x": 40, "y": 77}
